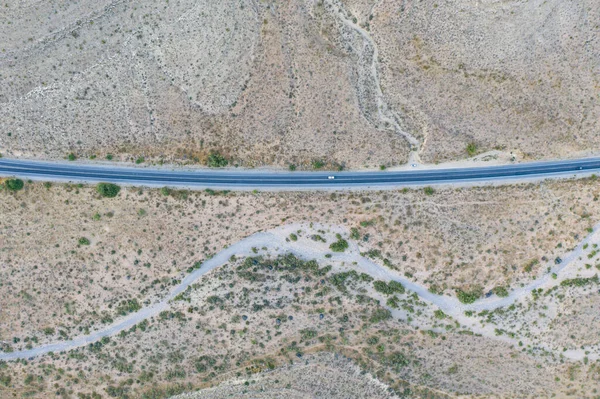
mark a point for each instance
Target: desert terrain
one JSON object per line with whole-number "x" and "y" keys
{"x": 239, "y": 327}
{"x": 445, "y": 291}
{"x": 342, "y": 84}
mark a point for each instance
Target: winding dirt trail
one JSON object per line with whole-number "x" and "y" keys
{"x": 275, "y": 241}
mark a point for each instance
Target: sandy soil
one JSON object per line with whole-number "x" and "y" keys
{"x": 353, "y": 83}
{"x": 513, "y": 223}
{"x": 144, "y": 242}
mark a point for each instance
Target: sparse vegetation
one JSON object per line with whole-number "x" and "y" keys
{"x": 272, "y": 307}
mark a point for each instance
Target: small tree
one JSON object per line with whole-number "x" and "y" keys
{"x": 71, "y": 157}
{"x": 14, "y": 184}
{"x": 108, "y": 190}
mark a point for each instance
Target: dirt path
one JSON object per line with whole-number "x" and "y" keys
{"x": 275, "y": 241}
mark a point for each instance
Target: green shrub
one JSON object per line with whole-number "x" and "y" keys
{"x": 438, "y": 314}
{"x": 396, "y": 287}
{"x": 393, "y": 302}
{"x": 204, "y": 363}
{"x": 109, "y": 157}
{"x": 108, "y": 190}
{"x": 71, "y": 157}
{"x": 128, "y": 306}
{"x": 83, "y": 241}
{"x": 468, "y": 296}
{"x": 338, "y": 280}
{"x": 529, "y": 266}
{"x": 308, "y": 334}
{"x": 471, "y": 149}
{"x": 428, "y": 190}
{"x": 293, "y": 237}
{"x": 367, "y": 223}
{"x": 5, "y": 380}
{"x": 435, "y": 289}
{"x": 380, "y": 315}
{"x": 397, "y": 361}
{"x": 354, "y": 234}
{"x": 340, "y": 245}
{"x": 216, "y": 160}
{"x": 117, "y": 392}
{"x": 48, "y": 331}
{"x": 14, "y": 184}
{"x": 500, "y": 291}
{"x": 165, "y": 191}
{"x": 292, "y": 167}
{"x": 318, "y": 164}
{"x": 210, "y": 191}
{"x": 139, "y": 160}
{"x": 579, "y": 281}
{"x": 391, "y": 288}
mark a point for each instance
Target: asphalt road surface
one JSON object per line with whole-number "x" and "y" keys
{"x": 230, "y": 178}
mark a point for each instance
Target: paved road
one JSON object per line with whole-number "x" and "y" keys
{"x": 77, "y": 172}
